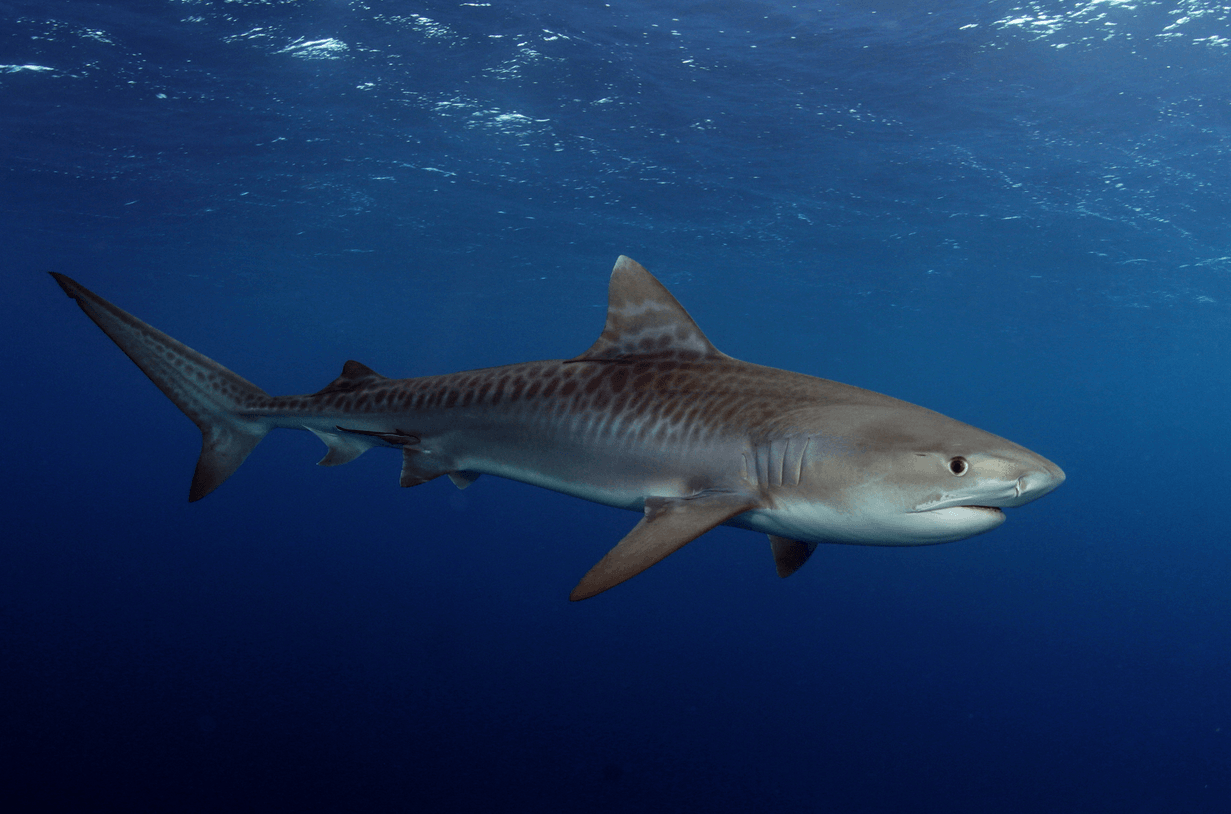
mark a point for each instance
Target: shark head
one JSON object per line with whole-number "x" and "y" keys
{"x": 885, "y": 472}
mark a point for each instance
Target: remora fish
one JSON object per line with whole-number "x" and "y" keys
{"x": 651, "y": 418}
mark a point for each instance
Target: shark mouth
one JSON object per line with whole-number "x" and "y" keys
{"x": 970, "y": 501}
{"x": 943, "y": 505}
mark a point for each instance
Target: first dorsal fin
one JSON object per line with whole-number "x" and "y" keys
{"x": 644, "y": 319}
{"x": 354, "y": 375}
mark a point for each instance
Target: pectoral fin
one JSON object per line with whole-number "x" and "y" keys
{"x": 669, "y": 524}
{"x": 790, "y": 555}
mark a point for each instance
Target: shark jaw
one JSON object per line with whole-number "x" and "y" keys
{"x": 954, "y": 523}
{"x": 651, "y": 417}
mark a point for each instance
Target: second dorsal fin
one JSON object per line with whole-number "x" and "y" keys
{"x": 354, "y": 375}
{"x": 644, "y": 319}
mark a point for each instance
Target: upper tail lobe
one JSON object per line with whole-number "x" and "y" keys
{"x": 217, "y": 400}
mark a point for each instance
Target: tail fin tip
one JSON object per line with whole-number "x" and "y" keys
{"x": 213, "y": 397}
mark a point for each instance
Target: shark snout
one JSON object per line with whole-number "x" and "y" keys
{"x": 1036, "y": 483}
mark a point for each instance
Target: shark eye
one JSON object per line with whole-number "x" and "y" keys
{"x": 959, "y": 466}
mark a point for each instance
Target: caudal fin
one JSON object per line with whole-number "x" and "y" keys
{"x": 212, "y": 396}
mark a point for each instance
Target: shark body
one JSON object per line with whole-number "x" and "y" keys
{"x": 651, "y": 418}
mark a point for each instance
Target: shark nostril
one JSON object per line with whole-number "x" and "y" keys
{"x": 1038, "y": 481}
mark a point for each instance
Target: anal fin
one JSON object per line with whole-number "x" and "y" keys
{"x": 343, "y": 447}
{"x": 790, "y": 555}
{"x": 668, "y": 525}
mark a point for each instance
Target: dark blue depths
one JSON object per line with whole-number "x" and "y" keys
{"x": 1014, "y": 214}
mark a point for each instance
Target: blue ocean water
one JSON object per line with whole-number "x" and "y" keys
{"x": 1015, "y": 213}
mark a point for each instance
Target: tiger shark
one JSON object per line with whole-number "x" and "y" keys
{"x": 651, "y": 418}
